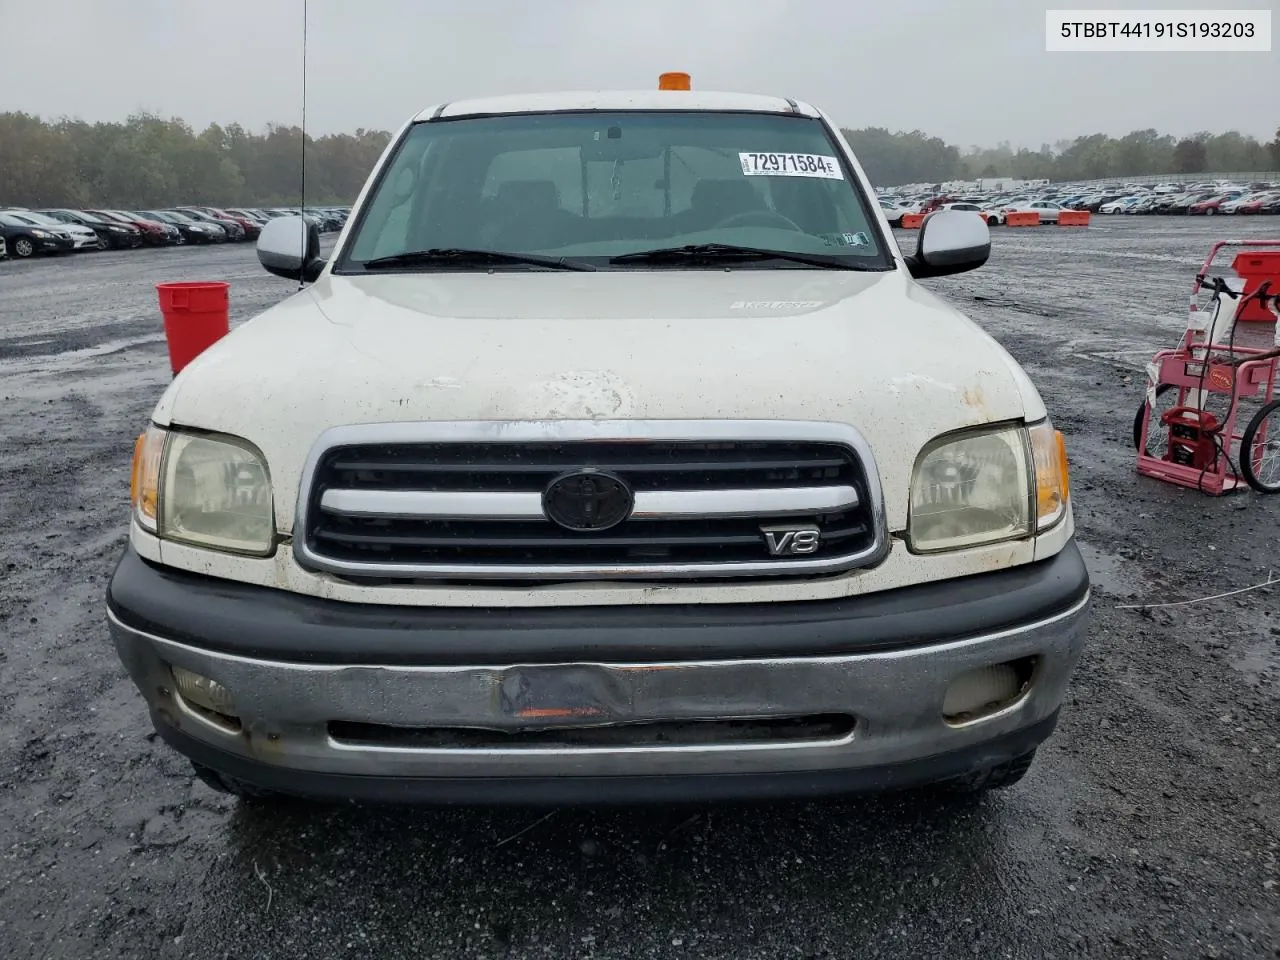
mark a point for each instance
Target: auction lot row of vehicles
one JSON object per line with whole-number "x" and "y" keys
{"x": 1206, "y": 199}
{"x": 31, "y": 232}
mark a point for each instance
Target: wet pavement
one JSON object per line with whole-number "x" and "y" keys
{"x": 1149, "y": 826}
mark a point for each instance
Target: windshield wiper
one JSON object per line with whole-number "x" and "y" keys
{"x": 729, "y": 251}
{"x": 461, "y": 257}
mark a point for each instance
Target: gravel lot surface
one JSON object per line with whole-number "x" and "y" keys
{"x": 1149, "y": 827}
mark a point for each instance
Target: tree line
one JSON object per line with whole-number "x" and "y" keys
{"x": 891, "y": 159}
{"x": 150, "y": 161}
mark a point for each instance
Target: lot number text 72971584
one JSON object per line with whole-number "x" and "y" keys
{"x": 790, "y": 165}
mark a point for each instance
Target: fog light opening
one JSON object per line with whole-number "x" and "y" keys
{"x": 981, "y": 692}
{"x": 206, "y": 698}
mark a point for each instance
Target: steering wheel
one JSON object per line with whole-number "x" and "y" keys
{"x": 763, "y": 218}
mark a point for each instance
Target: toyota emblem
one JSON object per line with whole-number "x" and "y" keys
{"x": 587, "y": 500}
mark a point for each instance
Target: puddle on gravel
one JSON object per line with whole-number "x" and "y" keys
{"x": 1107, "y": 572}
{"x": 68, "y": 359}
{"x": 1259, "y": 659}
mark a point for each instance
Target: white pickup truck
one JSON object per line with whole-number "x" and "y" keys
{"x": 614, "y": 453}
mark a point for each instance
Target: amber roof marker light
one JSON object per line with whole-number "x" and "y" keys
{"x": 674, "y": 80}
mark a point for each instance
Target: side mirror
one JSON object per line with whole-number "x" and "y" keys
{"x": 951, "y": 241}
{"x": 289, "y": 247}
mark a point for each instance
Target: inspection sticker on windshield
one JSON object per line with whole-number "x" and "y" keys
{"x": 790, "y": 165}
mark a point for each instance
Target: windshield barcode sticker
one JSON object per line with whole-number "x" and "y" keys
{"x": 790, "y": 165}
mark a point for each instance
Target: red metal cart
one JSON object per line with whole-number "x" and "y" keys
{"x": 1229, "y": 353}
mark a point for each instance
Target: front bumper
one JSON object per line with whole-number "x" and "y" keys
{"x": 303, "y": 672}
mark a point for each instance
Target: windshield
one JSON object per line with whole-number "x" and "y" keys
{"x": 41, "y": 218}
{"x": 591, "y": 186}
{"x": 179, "y": 217}
{"x": 13, "y": 220}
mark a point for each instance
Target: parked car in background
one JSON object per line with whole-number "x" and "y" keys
{"x": 230, "y": 227}
{"x": 4, "y": 249}
{"x": 990, "y": 216}
{"x": 153, "y": 232}
{"x": 1096, "y": 202}
{"x": 893, "y": 213}
{"x": 257, "y": 216}
{"x": 1263, "y": 203}
{"x": 1119, "y": 206}
{"x": 329, "y": 222}
{"x": 286, "y": 212}
{"x": 1211, "y": 205}
{"x": 1164, "y": 203}
{"x": 83, "y": 238}
{"x": 193, "y": 231}
{"x": 111, "y": 235}
{"x": 1186, "y": 201}
{"x": 1235, "y": 203}
{"x": 26, "y": 238}
{"x": 1048, "y": 209}
{"x": 250, "y": 226}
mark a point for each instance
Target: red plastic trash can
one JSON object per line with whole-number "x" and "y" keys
{"x": 195, "y": 317}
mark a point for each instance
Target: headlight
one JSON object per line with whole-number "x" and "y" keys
{"x": 40, "y": 233}
{"x": 206, "y": 490}
{"x": 988, "y": 486}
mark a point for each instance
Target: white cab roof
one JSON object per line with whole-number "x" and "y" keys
{"x": 619, "y": 100}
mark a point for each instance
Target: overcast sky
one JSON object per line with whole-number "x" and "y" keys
{"x": 970, "y": 71}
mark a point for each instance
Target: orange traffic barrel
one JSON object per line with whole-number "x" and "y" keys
{"x": 195, "y": 317}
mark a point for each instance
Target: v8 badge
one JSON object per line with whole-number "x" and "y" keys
{"x": 792, "y": 541}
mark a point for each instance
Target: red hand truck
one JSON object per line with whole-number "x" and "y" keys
{"x": 1230, "y": 351}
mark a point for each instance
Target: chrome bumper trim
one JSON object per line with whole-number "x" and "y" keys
{"x": 649, "y": 504}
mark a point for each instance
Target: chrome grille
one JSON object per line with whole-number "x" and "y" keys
{"x": 464, "y": 501}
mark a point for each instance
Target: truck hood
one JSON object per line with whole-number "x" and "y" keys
{"x": 874, "y": 350}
